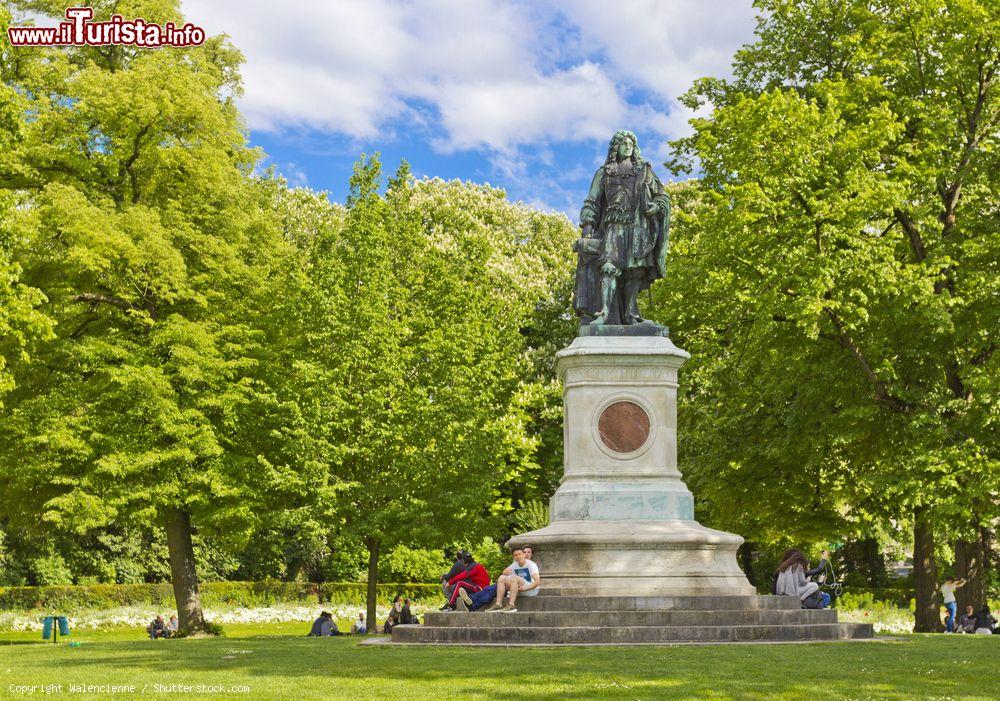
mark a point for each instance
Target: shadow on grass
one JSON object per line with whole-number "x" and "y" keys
{"x": 912, "y": 668}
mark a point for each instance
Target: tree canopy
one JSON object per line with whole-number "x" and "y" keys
{"x": 835, "y": 276}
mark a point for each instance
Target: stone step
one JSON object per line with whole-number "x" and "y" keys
{"x": 657, "y": 603}
{"x": 589, "y": 635}
{"x": 689, "y": 591}
{"x": 611, "y": 619}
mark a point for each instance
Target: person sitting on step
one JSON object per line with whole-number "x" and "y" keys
{"x": 473, "y": 580}
{"x": 792, "y": 579}
{"x": 458, "y": 567}
{"x": 521, "y": 577}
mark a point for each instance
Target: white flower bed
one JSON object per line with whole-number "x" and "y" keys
{"x": 139, "y": 617}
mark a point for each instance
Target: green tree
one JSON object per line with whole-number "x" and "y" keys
{"x": 136, "y": 217}
{"x": 835, "y": 276}
{"x": 413, "y": 362}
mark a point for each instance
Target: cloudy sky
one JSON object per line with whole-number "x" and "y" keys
{"x": 520, "y": 94}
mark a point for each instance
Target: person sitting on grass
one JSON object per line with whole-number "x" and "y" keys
{"x": 395, "y": 615}
{"x": 359, "y": 627}
{"x": 406, "y": 616}
{"x": 157, "y": 629}
{"x": 323, "y": 626}
{"x": 967, "y": 621}
{"x": 986, "y": 622}
{"x": 792, "y": 579}
{"x": 474, "y": 579}
{"x": 172, "y": 626}
{"x": 521, "y": 577}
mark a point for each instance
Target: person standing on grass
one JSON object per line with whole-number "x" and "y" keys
{"x": 522, "y": 577}
{"x": 948, "y": 592}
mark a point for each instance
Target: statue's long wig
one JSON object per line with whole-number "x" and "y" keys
{"x": 619, "y": 136}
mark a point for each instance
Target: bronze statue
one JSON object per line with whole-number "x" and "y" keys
{"x": 625, "y": 221}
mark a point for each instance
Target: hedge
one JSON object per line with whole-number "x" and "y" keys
{"x": 105, "y": 596}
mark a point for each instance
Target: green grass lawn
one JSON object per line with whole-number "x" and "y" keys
{"x": 277, "y": 661}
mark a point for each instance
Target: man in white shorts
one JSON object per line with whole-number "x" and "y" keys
{"x": 521, "y": 577}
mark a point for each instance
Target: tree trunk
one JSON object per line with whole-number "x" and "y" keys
{"x": 190, "y": 618}
{"x": 373, "y": 545}
{"x": 927, "y": 618}
{"x": 970, "y": 564}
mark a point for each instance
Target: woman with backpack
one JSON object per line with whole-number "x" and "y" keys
{"x": 792, "y": 579}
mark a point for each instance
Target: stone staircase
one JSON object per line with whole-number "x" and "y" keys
{"x": 556, "y": 618}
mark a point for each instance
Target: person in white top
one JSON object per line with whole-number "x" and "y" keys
{"x": 948, "y": 591}
{"x": 521, "y": 577}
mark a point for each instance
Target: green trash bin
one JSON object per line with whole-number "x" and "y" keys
{"x": 63, "y": 625}
{"x": 47, "y": 624}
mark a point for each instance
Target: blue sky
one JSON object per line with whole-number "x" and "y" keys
{"x": 523, "y": 95}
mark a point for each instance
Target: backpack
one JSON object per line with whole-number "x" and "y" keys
{"x": 812, "y": 601}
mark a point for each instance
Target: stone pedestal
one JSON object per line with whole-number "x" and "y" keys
{"x": 623, "y": 562}
{"x": 622, "y": 520}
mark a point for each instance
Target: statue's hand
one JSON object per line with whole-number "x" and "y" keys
{"x": 652, "y": 211}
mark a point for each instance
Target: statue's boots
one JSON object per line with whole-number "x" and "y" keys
{"x": 633, "y": 287}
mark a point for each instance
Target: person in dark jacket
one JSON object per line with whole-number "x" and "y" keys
{"x": 967, "y": 621}
{"x": 459, "y": 566}
{"x": 157, "y": 629}
{"x": 324, "y": 626}
{"x": 986, "y": 623}
{"x": 406, "y": 616}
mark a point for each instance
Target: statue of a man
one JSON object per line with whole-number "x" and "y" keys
{"x": 625, "y": 220}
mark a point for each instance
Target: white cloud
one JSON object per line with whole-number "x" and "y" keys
{"x": 664, "y": 46}
{"x": 493, "y": 74}
{"x": 579, "y": 103}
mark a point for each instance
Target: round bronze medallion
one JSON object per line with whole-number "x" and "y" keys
{"x": 624, "y": 427}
